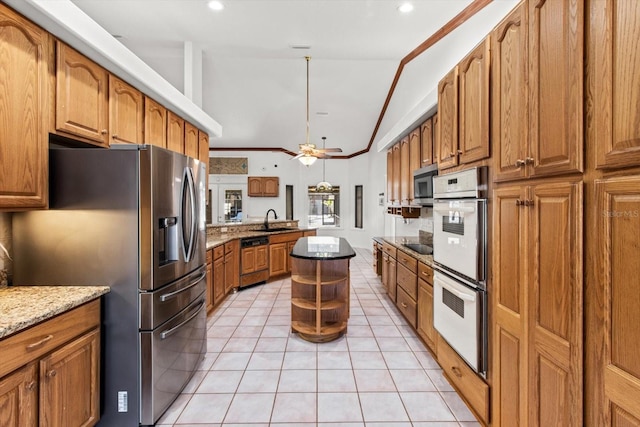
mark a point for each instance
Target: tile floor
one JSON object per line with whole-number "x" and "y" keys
{"x": 257, "y": 373}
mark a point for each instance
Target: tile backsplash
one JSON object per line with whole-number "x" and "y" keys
{"x": 5, "y": 239}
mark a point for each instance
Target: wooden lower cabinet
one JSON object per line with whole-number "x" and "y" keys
{"x": 218, "y": 279}
{"x": 50, "y": 373}
{"x": 209, "y": 293}
{"x": 537, "y": 305}
{"x": 280, "y": 246}
{"x": 425, "y": 307}
{"x": 231, "y": 265}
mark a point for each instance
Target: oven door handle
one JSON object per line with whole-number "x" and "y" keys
{"x": 461, "y": 295}
{"x": 166, "y": 334}
{"x": 170, "y": 295}
{"x": 448, "y": 210}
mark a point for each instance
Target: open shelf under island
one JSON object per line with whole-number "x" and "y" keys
{"x": 320, "y": 287}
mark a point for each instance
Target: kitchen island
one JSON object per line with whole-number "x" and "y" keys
{"x": 320, "y": 287}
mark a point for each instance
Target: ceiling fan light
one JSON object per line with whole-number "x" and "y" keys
{"x": 307, "y": 160}
{"x": 405, "y": 7}
{"x": 324, "y": 187}
{"x": 215, "y": 5}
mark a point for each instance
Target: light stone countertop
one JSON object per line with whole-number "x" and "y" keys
{"x": 398, "y": 243}
{"x": 24, "y": 306}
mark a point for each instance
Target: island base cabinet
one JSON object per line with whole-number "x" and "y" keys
{"x": 319, "y": 298}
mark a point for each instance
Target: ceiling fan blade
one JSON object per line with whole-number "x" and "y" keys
{"x": 297, "y": 157}
{"x": 331, "y": 150}
{"x": 322, "y": 155}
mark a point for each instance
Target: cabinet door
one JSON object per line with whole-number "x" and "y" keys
{"x": 614, "y": 54}
{"x": 231, "y": 265}
{"x": 277, "y": 259}
{"x": 290, "y": 246}
{"x": 510, "y": 397}
{"x": 19, "y": 398}
{"x": 556, "y": 86}
{"x": 70, "y": 383}
{"x": 390, "y": 176}
{"x": 25, "y": 64}
{"x": 175, "y": 133}
{"x": 392, "y": 278}
{"x": 474, "y": 104}
{"x": 415, "y": 159}
{"x": 395, "y": 156}
{"x": 262, "y": 257}
{"x": 218, "y": 279}
{"x": 510, "y": 128}
{"x": 436, "y": 137}
{"x": 404, "y": 171}
{"x": 425, "y": 314}
{"x": 248, "y": 260}
{"x": 426, "y": 143}
{"x": 614, "y": 316}
{"x": 385, "y": 271}
{"x": 81, "y": 96}
{"x": 155, "y": 123}
{"x": 203, "y": 148}
{"x": 555, "y": 305}
{"x": 448, "y": 120}
{"x": 270, "y": 186}
{"x": 191, "y": 140}
{"x": 254, "y": 186}
{"x": 126, "y": 109}
{"x": 210, "y": 302}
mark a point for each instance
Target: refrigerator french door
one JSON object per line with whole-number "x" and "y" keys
{"x": 131, "y": 217}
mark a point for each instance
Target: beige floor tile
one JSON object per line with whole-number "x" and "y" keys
{"x": 367, "y": 360}
{"x": 374, "y": 380}
{"x": 300, "y": 360}
{"x": 209, "y": 408}
{"x": 412, "y": 380}
{"x": 250, "y": 408}
{"x": 401, "y": 360}
{"x": 266, "y": 361}
{"x": 362, "y": 344}
{"x": 339, "y": 407}
{"x": 231, "y": 362}
{"x": 457, "y": 406}
{"x": 259, "y": 382}
{"x": 294, "y": 408}
{"x": 220, "y": 382}
{"x": 240, "y": 344}
{"x": 271, "y": 344}
{"x": 426, "y": 406}
{"x": 336, "y": 380}
{"x": 382, "y": 407}
{"x": 334, "y": 360}
{"x": 298, "y": 380}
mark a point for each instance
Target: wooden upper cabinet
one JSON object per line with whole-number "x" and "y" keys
{"x": 390, "y": 175}
{"x": 175, "y": 133}
{"x": 26, "y": 62}
{"x": 263, "y": 186}
{"x": 126, "y": 112}
{"x": 395, "y": 181}
{"x": 510, "y": 125}
{"x": 155, "y": 123}
{"x": 614, "y": 304}
{"x": 556, "y": 38}
{"x": 404, "y": 171}
{"x": 473, "y": 104}
{"x": 191, "y": 140}
{"x": 426, "y": 143}
{"x": 414, "y": 159}
{"x": 614, "y": 60}
{"x": 81, "y": 97}
{"x": 436, "y": 137}
{"x": 203, "y": 148}
{"x": 448, "y": 120}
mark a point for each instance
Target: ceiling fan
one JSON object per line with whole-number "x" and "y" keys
{"x": 308, "y": 152}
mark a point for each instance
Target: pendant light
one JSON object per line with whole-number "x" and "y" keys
{"x": 307, "y": 159}
{"x": 323, "y": 186}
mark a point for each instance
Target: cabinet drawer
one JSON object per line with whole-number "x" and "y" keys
{"x": 425, "y": 273}
{"x": 285, "y": 237}
{"x": 406, "y": 305}
{"x": 30, "y": 344}
{"x": 218, "y": 251}
{"x": 471, "y": 387}
{"x": 408, "y": 261}
{"x": 389, "y": 249}
{"x": 407, "y": 281}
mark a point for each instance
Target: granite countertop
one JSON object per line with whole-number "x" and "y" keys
{"x": 398, "y": 242}
{"x": 24, "y": 306}
{"x": 218, "y": 239}
{"x": 322, "y": 248}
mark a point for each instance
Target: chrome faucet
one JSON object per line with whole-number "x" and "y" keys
{"x": 266, "y": 218}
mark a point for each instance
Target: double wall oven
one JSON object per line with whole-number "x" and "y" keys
{"x": 460, "y": 248}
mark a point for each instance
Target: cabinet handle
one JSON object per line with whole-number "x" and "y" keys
{"x": 31, "y": 385}
{"x": 456, "y": 371}
{"x": 451, "y": 155}
{"x": 404, "y": 304}
{"x": 104, "y": 131}
{"x": 459, "y": 151}
{"x": 520, "y": 163}
{"x": 114, "y": 136}
{"x": 39, "y": 343}
{"x": 528, "y": 203}
{"x": 52, "y": 373}
{"x": 519, "y": 202}
{"x": 529, "y": 161}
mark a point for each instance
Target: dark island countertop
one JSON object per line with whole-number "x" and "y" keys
{"x": 322, "y": 248}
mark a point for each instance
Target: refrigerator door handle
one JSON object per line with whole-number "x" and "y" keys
{"x": 166, "y": 334}
{"x": 188, "y": 203}
{"x": 166, "y": 297}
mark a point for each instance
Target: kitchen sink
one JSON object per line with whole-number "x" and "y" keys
{"x": 419, "y": 247}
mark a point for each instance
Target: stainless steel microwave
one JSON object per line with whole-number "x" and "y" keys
{"x": 423, "y": 185}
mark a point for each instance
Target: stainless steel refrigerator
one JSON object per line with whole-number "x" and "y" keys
{"x": 131, "y": 217}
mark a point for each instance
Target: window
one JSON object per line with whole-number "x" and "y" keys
{"x": 358, "y": 205}
{"x": 232, "y": 205}
{"x": 289, "y": 202}
{"x": 324, "y": 207}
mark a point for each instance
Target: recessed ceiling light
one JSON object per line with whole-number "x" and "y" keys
{"x": 322, "y": 113}
{"x": 300, "y": 46}
{"x": 215, "y": 5}
{"x": 405, "y": 7}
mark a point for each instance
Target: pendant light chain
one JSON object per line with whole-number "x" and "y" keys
{"x": 307, "y": 58}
